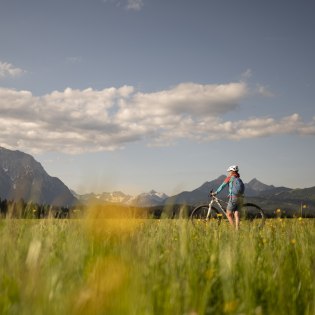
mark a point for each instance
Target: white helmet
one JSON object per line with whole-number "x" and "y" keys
{"x": 233, "y": 168}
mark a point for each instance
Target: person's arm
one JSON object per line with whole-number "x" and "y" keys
{"x": 226, "y": 181}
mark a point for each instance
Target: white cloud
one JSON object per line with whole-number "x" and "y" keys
{"x": 75, "y": 121}
{"x": 264, "y": 91}
{"x": 188, "y": 98}
{"x": 74, "y": 60}
{"x": 134, "y": 5}
{"x": 247, "y": 74}
{"x": 9, "y": 70}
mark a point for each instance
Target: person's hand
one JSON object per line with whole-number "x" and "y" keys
{"x": 213, "y": 194}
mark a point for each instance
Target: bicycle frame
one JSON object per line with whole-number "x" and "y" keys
{"x": 204, "y": 211}
{"x": 216, "y": 200}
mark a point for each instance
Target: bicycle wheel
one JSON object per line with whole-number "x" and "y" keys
{"x": 253, "y": 213}
{"x": 199, "y": 214}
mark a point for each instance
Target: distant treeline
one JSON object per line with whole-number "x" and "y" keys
{"x": 31, "y": 210}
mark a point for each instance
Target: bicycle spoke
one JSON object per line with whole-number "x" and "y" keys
{"x": 200, "y": 215}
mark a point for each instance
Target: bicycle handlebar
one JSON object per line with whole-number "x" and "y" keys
{"x": 213, "y": 196}
{"x": 211, "y": 193}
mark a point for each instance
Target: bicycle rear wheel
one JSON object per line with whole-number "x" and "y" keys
{"x": 253, "y": 213}
{"x": 199, "y": 214}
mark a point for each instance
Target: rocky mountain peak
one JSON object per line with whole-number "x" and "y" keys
{"x": 22, "y": 177}
{"x": 256, "y": 185}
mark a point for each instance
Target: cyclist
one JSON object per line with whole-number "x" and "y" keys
{"x": 236, "y": 194}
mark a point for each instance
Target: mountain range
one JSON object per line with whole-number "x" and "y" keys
{"x": 151, "y": 198}
{"x": 22, "y": 177}
{"x": 268, "y": 197}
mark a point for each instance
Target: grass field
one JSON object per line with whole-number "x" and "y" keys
{"x": 133, "y": 266}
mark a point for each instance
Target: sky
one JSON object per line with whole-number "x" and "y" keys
{"x": 135, "y": 95}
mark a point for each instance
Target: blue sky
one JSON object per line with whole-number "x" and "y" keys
{"x": 135, "y": 95}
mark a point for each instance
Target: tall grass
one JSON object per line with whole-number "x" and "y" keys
{"x": 99, "y": 265}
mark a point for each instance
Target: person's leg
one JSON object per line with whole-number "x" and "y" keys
{"x": 229, "y": 215}
{"x": 231, "y": 207}
{"x": 237, "y": 209}
{"x": 237, "y": 219}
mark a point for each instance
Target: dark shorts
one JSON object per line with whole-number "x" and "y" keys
{"x": 234, "y": 204}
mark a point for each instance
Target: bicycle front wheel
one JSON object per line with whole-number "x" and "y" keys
{"x": 200, "y": 213}
{"x": 253, "y": 213}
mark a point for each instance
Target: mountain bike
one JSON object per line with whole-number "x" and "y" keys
{"x": 210, "y": 213}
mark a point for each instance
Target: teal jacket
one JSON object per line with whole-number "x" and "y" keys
{"x": 228, "y": 181}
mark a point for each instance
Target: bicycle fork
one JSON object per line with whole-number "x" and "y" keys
{"x": 210, "y": 207}
{"x": 209, "y": 210}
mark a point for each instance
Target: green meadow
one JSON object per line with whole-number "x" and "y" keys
{"x": 98, "y": 265}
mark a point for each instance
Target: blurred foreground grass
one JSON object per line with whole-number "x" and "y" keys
{"x": 106, "y": 265}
